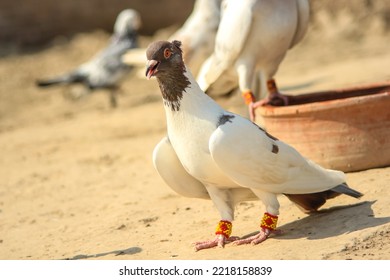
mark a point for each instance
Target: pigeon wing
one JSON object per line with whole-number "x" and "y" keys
{"x": 254, "y": 159}
{"x": 173, "y": 173}
{"x": 303, "y": 9}
{"x": 232, "y": 33}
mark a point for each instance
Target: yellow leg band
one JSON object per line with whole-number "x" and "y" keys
{"x": 269, "y": 221}
{"x": 224, "y": 228}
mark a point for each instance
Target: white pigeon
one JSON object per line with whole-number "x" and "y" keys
{"x": 106, "y": 69}
{"x": 214, "y": 154}
{"x": 253, "y": 37}
{"x": 198, "y": 33}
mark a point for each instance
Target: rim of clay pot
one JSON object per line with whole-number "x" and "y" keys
{"x": 329, "y": 100}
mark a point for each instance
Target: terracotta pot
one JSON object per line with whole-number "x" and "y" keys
{"x": 346, "y": 129}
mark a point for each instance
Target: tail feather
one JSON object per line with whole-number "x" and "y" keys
{"x": 311, "y": 202}
{"x": 65, "y": 79}
{"x": 345, "y": 189}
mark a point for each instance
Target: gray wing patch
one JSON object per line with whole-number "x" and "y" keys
{"x": 224, "y": 119}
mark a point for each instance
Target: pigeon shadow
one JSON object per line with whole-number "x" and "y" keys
{"x": 331, "y": 222}
{"x": 128, "y": 251}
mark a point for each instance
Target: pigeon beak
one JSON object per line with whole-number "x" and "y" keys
{"x": 151, "y": 68}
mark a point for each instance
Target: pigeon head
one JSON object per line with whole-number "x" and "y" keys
{"x": 165, "y": 62}
{"x": 127, "y": 22}
{"x": 163, "y": 58}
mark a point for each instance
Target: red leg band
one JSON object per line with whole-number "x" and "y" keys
{"x": 271, "y": 85}
{"x": 269, "y": 221}
{"x": 224, "y": 228}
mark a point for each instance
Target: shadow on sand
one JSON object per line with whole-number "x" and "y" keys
{"x": 129, "y": 251}
{"x": 340, "y": 219}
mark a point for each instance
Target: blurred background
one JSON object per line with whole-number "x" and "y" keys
{"x": 37, "y": 22}
{"x": 43, "y": 38}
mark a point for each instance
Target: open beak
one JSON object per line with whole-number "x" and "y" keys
{"x": 151, "y": 68}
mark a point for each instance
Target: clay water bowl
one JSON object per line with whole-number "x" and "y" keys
{"x": 345, "y": 129}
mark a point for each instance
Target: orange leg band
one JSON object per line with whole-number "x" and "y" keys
{"x": 224, "y": 228}
{"x": 271, "y": 85}
{"x": 248, "y": 97}
{"x": 269, "y": 221}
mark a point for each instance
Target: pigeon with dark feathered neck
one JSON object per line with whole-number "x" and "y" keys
{"x": 214, "y": 154}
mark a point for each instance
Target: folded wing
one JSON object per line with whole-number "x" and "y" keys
{"x": 254, "y": 159}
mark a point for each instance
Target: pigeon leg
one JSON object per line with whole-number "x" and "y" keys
{"x": 274, "y": 97}
{"x": 223, "y": 231}
{"x": 113, "y": 94}
{"x": 250, "y": 99}
{"x": 267, "y": 226}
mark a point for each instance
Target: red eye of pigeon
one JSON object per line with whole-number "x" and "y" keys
{"x": 167, "y": 53}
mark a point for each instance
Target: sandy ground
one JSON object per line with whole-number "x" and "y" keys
{"x": 77, "y": 180}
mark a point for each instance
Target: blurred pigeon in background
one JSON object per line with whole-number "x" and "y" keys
{"x": 106, "y": 69}
{"x": 253, "y": 37}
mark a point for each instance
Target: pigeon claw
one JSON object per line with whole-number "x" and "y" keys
{"x": 278, "y": 99}
{"x": 219, "y": 241}
{"x": 257, "y": 238}
{"x": 274, "y": 99}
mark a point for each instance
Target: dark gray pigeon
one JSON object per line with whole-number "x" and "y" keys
{"x": 106, "y": 69}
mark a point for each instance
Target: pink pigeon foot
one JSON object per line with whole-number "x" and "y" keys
{"x": 219, "y": 241}
{"x": 274, "y": 98}
{"x": 222, "y": 236}
{"x": 257, "y": 238}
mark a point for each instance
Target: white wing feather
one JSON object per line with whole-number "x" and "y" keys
{"x": 235, "y": 23}
{"x": 245, "y": 154}
{"x": 173, "y": 173}
{"x": 303, "y": 9}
